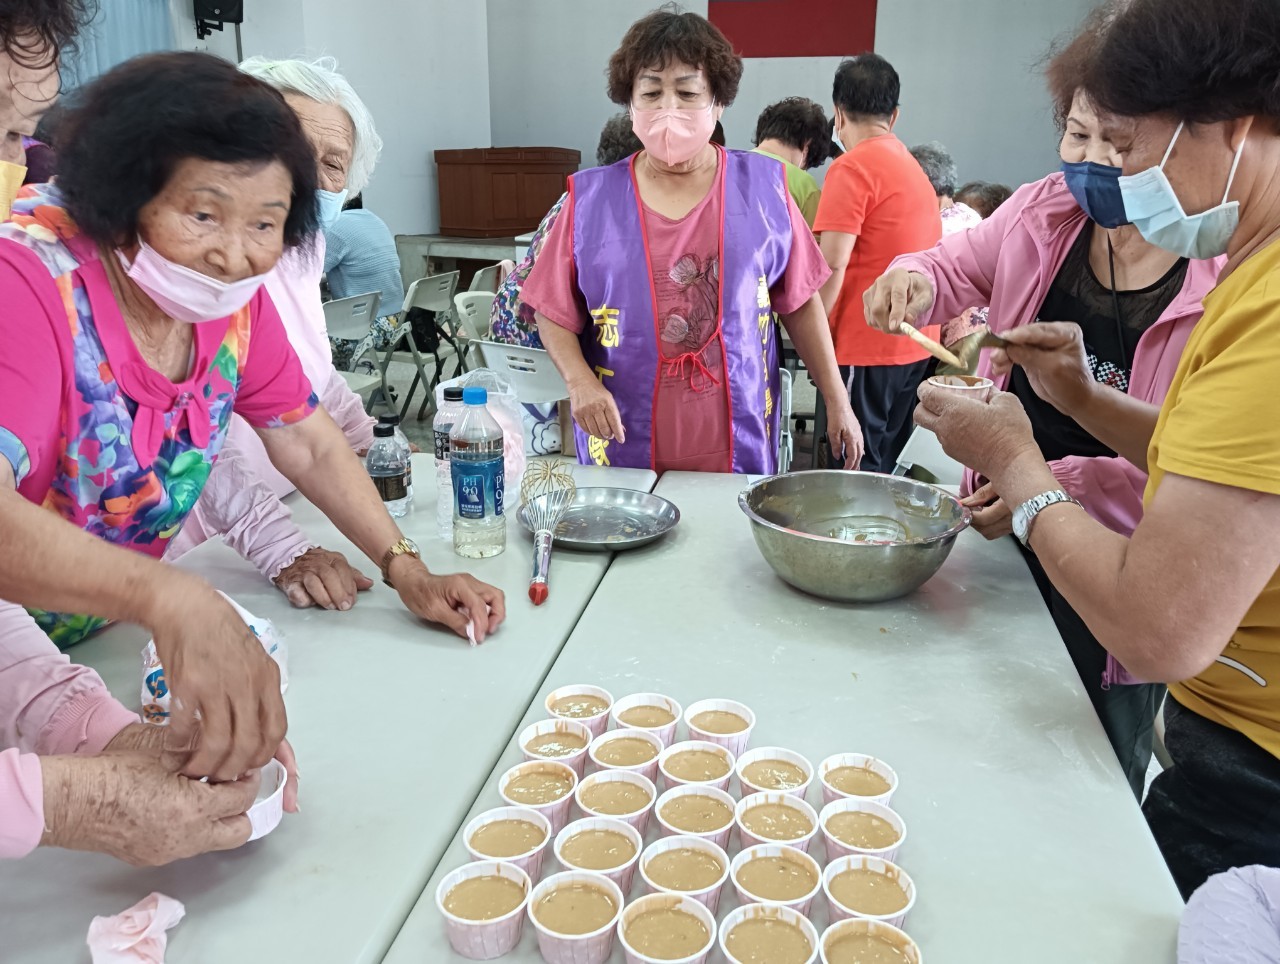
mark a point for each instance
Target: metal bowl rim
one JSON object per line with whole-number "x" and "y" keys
{"x": 966, "y": 517}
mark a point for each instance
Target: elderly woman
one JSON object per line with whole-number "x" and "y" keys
{"x": 1060, "y": 250}
{"x": 137, "y": 324}
{"x": 656, "y": 288}
{"x": 242, "y": 499}
{"x": 796, "y": 132}
{"x": 938, "y": 165}
{"x": 1192, "y": 595}
{"x": 983, "y": 196}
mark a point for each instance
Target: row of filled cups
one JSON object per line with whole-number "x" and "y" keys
{"x": 576, "y": 915}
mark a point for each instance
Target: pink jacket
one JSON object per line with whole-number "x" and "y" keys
{"x": 1008, "y": 262}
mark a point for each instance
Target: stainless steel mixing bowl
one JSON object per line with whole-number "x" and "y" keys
{"x": 853, "y": 536}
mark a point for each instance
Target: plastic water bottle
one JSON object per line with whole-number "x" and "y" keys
{"x": 475, "y": 461}
{"x": 394, "y": 421}
{"x": 388, "y": 465}
{"x": 449, "y": 413}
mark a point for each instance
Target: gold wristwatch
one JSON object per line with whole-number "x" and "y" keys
{"x": 405, "y": 547}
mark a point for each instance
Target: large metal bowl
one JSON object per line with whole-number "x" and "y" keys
{"x": 853, "y": 536}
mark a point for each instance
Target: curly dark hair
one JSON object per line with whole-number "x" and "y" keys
{"x": 800, "y": 123}
{"x": 1201, "y": 61}
{"x": 983, "y": 196}
{"x": 665, "y": 36}
{"x": 131, "y": 127}
{"x": 617, "y": 140}
{"x": 35, "y": 32}
{"x": 866, "y": 86}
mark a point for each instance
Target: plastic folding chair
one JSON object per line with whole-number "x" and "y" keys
{"x": 434, "y": 295}
{"x": 350, "y": 319}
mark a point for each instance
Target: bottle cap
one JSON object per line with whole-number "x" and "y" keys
{"x": 391, "y": 419}
{"x": 475, "y": 396}
{"x": 453, "y": 394}
{"x": 383, "y": 430}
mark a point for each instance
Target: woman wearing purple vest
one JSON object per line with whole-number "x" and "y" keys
{"x": 656, "y": 289}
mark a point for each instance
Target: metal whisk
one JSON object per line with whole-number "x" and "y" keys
{"x": 546, "y": 492}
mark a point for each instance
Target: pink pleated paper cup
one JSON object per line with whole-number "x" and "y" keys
{"x": 861, "y": 927}
{"x": 268, "y": 810}
{"x": 735, "y": 743}
{"x": 531, "y": 860}
{"x": 838, "y": 866}
{"x": 557, "y": 811}
{"x": 801, "y": 904}
{"x": 648, "y": 768}
{"x": 719, "y": 836}
{"x": 596, "y": 723}
{"x": 838, "y": 848}
{"x": 576, "y": 761}
{"x": 637, "y": 818}
{"x": 591, "y": 948}
{"x": 666, "y": 902}
{"x": 624, "y": 874}
{"x": 709, "y": 897}
{"x": 666, "y": 732}
{"x": 675, "y": 749}
{"x": 861, "y": 761}
{"x": 484, "y": 940}
{"x": 768, "y": 912}
{"x": 750, "y": 839}
{"x": 764, "y": 755}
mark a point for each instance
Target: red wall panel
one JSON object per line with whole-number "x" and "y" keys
{"x": 796, "y": 28}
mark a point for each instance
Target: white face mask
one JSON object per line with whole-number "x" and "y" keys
{"x": 187, "y": 295}
{"x": 1152, "y": 206}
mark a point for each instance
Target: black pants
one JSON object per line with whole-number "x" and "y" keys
{"x": 884, "y": 398}
{"x": 1127, "y": 713}
{"x": 1216, "y": 807}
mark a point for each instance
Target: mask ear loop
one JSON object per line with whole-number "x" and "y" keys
{"x": 1232, "y": 176}
{"x": 1169, "y": 150}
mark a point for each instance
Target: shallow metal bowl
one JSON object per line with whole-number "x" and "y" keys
{"x": 608, "y": 519}
{"x": 853, "y": 536}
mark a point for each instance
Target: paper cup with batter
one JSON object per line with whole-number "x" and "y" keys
{"x": 483, "y": 940}
{"x": 838, "y": 866}
{"x": 720, "y": 783}
{"x": 638, "y": 818}
{"x": 720, "y": 835}
{"x": 624, "y": 874}
{"x": 775, "y": 912}
{"x": 735, "y": 743}
{"x": 268, "y": 810}
{"x": 838, "y": 848}
{"x": 531, "y": 860}
{"x": 873, "y": 928}
{"x": 666, "y": 732}
{"x": 709, "y": 897}
{"x": 557, "y": 811}
{"x": 661, "y": 902}
{"x": 577, "y": 761}
{"x": 971, "y": 386}
{"x": 862, "y": 761}
{"x": 591, "y": 948}
{"x": 597, "y": 723}
{"x": 750, "y": 839}
{"x": 774, "y": 753}
{"x": 800, "y": 904}
{"x": 648, "y": 769}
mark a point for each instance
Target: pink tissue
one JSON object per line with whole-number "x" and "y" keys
{"x": 136, "y": 936}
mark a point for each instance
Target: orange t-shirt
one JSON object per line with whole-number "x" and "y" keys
{"x": 878, "y": 192}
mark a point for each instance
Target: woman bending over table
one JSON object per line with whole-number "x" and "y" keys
{"x": 136, "y": 323}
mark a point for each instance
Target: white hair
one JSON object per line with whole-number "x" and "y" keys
{"x": 320, "y": 80}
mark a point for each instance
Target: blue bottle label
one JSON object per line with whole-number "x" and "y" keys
{"x": 478, "y": 488}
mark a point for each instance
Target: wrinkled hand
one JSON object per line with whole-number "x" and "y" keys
{"x": 451, "y": 601}
{"x": 595, "y": 410}
{"x": 217, "y": 668}
{"x": 160, "y": 743}
{"x": 322, "y": 578}
{"x": 844, "y": 434}
{"x": 1054, "y": 358}
{"x": 985, "y": 436}
{"x": 991, "y": 516}
{"x": 898, "y": 295}
{"x": 129, "y": 806}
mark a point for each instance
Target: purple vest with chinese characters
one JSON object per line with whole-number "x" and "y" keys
{"x": 621, "y": 345}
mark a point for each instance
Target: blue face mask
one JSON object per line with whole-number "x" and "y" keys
{"x": 1154, "y": 208}
{"x": 1096, "y": 188}
{"x": 329, "y": 206}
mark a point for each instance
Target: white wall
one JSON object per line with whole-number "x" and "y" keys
{"x": 421, "y": 66}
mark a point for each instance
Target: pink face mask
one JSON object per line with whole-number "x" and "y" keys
{"x": 674, "y": 135}
{"x": 183, "y": 294}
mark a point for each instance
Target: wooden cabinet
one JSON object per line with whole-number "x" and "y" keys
{"x": 499, "y": 192}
